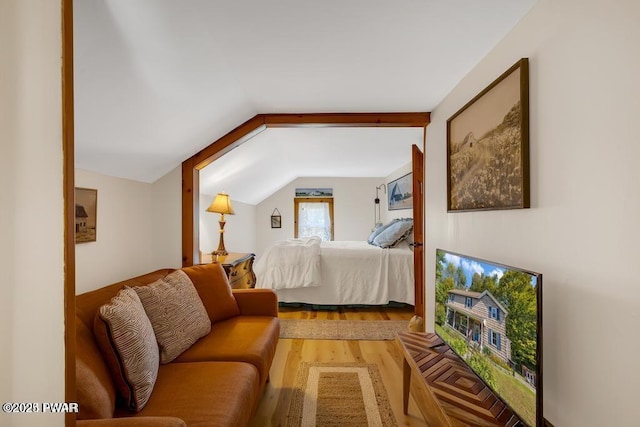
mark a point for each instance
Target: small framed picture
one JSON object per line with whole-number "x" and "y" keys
{"x": 400, "y": 193}
{"x": 86, "y": 211}
{"x": 314, "y": 192}
{"x": 276, "y": 219}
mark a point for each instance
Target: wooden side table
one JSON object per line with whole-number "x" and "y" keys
{"x": 239, "y": 269}
{"x": 446, "y": 390}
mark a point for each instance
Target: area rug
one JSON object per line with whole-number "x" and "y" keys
{"x": 341, "y": 329}
{"x": 340, "y": 395}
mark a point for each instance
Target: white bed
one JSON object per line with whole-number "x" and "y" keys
{"x": 337, "y": 272}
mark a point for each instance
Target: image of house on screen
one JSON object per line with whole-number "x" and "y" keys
{"x": 480, "y": 319}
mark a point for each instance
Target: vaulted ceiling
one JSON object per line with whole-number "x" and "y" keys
{"x": 158, "y": 80}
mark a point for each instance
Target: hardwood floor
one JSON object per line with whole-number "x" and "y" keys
{"x": 274, "y": 405}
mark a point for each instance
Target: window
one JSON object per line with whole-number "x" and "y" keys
{"x": 313, "y": 217}
{"x": 494, "y": 339}
{"x": 494, "y": 313}
{"x": 462, "y": 325}
{"x": 450, "y": 317}
{"x": 476, "y": 332}
{"x": 467, "y": 302}
{"x": 452, "y": 297}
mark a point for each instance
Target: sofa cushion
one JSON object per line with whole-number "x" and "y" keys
{"x": 176, "y": 313}
{"x": 212, "y": 285}
{"x": 250, "y": 339}
{"x": 95, "y": 391}
{"x": 125, "y": 336}
{"x": 204, "y": 394}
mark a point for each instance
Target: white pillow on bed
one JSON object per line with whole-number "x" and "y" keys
{"x": 393, "y": 233}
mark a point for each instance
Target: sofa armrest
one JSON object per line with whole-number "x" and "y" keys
{"x": 133, "y": 422}
{"x": 256, "y": 302}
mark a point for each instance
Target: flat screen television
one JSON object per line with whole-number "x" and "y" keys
{"x": 490, "y": 314}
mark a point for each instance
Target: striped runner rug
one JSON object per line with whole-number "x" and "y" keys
{"x": 339, "y": 394}
{"x": 314, "y": 329}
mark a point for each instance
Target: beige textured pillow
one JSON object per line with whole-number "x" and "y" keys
{"x": 125, "y": 336}
{"x": 176, "y": 313}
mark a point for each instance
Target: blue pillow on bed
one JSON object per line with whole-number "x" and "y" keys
{"x": 393, "y": 233}
{"x": 377, "y": 230}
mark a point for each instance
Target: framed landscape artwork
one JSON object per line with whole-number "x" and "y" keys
{"x": 400, "y": 193}
{"x": 314, "y": 192}
{"x": 488, "y": 146}
{"x": 86, "y": 211}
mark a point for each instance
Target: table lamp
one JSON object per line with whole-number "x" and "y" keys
{"x": 222, "y": 205}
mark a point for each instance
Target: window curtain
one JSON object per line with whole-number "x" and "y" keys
{"x": 314, "y": 220}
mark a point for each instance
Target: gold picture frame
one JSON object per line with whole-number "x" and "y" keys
{"x": 488, "y": 146}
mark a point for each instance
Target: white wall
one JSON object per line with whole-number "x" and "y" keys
{"x": 583, "y": 228}
{"x": 352, "y": 209}
{"x": 31, "y": 218}
{"x": 166, "y": 207}
{"x": 239, "y": 230}
{"x": 138, "y": 229}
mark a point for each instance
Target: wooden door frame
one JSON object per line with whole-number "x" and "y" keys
{"x": 68, "y": 196}
{"x": 192, "y": 166}
{"x": 236, "y": 137}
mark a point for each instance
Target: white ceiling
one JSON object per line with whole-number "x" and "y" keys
{"x": 158, "y": 80}
{"x": 275, "y": 157}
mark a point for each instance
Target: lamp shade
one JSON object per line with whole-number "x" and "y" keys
{"x": 221, "y": 204}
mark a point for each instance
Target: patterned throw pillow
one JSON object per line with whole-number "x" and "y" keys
{"x": 127, "y": 341}
{"x": 176, "y": 313}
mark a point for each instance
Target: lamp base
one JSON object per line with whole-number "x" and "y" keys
{"x": 221, "y": 251}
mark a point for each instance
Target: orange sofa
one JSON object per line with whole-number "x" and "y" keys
{"x": 218, "y": 381}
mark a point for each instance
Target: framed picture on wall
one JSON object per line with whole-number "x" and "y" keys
{"x": 276, "y": 219}
{"x": 400, "y": 193}
{"x": 86, "y": 200}
{"x": 314, "y": 192}
{"x": 488, "y": 146}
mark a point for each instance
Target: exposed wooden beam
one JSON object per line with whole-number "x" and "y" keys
{"x": 228, "y": 142}
{"x": 347, "y": 120}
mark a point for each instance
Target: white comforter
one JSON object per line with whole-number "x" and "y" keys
{"x": 293, "y": 263}
{"x": 351, "y": 272}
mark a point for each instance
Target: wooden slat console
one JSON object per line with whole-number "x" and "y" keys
{"x": 446, "y": 390}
